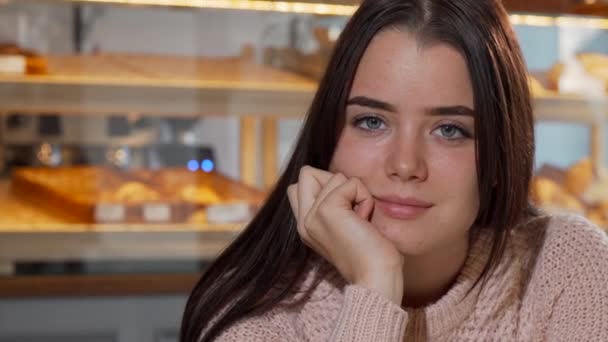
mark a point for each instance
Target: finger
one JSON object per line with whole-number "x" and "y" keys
{"x": 310, "y": 183}
{"x": 353, "y": 193}
{"x": 365, "y": 207}
{"x": 313, "y": 222}
{"x": 334, "y": 182}
{"x": 292, "y": 195}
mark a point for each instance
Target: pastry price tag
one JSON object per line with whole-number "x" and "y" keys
{"x": 228, "y": 213}
{"x": 157, "y": 212}
{"x": 110, "y": 212}
{"x": 13, "y": 64}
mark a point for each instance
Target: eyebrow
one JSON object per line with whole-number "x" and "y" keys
{"x": 452, "y": 110}
{"x": 365, "y": 101}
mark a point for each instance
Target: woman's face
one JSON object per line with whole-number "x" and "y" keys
{"x": 409, "y": 135}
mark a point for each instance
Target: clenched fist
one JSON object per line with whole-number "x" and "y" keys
{"x": 333, "y": 214}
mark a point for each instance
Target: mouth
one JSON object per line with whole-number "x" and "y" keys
{"x": 402, "y": 208}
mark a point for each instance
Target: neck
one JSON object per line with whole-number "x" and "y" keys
{"x": 428, "y": 277}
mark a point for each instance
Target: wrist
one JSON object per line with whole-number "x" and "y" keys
{"x": 390, "y": 286}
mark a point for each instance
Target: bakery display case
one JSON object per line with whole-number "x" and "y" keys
{"x": 137, "y": 137}
{"x": 105, "y": 152}
{"x": 122, "y": 167}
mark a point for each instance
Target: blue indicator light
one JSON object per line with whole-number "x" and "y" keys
{"x": 207, "y": 165}
{"x": 193, "y": 165}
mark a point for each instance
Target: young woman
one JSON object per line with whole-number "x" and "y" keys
{"x": 403, "y": 212}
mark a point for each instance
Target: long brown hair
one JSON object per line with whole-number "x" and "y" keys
{"x": 269, "y": 251}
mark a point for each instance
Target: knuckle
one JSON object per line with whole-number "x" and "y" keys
{"x": 340, "y": 176}
{"x": 308, "y": 222}
{"x": 323, "y": 210}
{"x": 303, "y": 172}
{"x": 301, "y": 232}
{"x": 306, "y": 169}
{"x": 357, "y": 182}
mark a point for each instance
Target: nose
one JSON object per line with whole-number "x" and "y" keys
{"x": 406, "y": 158}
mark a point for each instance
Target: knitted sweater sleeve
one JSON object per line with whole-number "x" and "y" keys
{"x": 580, "y": 311}
{"x": 364, "y": 316}
{"x": 368, "y": 316}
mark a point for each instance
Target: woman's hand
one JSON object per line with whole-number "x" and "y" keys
{"x": 333, "y": 215}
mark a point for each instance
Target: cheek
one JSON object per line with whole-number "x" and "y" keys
{"x": 455, "y": 171}
{"x": 354, "y": 156}
{"x": 453, "y": 181}
{"x": 456, "y": 174}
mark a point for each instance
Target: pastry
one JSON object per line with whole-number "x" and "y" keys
{"x": 198, "y": 217}
{"x": 199, "y": 194}
{"x": 553, "y": 76}
{"x": 599, "y": 214}
{"x": 135, "y": 192}
{"x": 543, "y": 191}
{"x": 549, "y": 194}
{"x": 579, "y": 177}
{"x": 14, "y": 59}
{"x": 597, "y": 192}
{"x": 594, "y": 64}
{"x": 536, "y": 88}
{"x": 76, "y": 192}
{"x": 597, "y": 217}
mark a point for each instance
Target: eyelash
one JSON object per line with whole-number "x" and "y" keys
{"x": 364, "y": 118}
{"x": 361, "y": 119}
{"x": 465, "y": 134}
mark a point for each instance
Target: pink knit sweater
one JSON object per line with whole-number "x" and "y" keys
{"x": 552, "y": 285}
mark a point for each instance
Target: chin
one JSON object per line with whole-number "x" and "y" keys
{"x": 410, "y": 237}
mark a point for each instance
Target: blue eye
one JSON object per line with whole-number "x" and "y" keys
{"x": 370, "y": 123}
{"x": 452, "y": 132}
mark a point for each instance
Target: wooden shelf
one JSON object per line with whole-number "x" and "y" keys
{"x": 30, "y": 234}
{"x": 157, "y": 85}
{"x": 556, "y": 7}
{"x": 96, "y": 285}
{"x": 183, "y": 86}
{"x": 99, "y": 245}
{"x": 571, "y": 108}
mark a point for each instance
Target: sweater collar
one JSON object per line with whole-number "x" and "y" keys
{"x": 451, "y": 310}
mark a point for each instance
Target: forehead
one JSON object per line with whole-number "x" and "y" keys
{"x": 397, "y": 69}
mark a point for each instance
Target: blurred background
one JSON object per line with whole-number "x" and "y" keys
{"x": 137, "y": 137}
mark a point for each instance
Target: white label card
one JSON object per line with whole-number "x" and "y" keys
{"x": 110, "y": 212}
{"x": 157, "y": 212}
{"x": 228, "y": 213}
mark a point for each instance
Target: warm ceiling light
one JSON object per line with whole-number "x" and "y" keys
{"x": 531, "y": 20}
{"x": 562, "y": 21}
{"x": 592, "y": 23}
{"x": 342, "y": 10}
{"x": 254, "y": 5}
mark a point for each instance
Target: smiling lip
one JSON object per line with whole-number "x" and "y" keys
{"x": 402, "y": 208}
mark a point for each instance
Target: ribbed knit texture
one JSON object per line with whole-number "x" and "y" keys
{"x": 551, "y": 285}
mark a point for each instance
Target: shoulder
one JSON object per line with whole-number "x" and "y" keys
{"x": 568, "y": 297}
{"x": 573, "y": 253}
{"x": 270, "y": 326}
{"x": 572, "y": 239}
{"x": 308, "y": 313}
